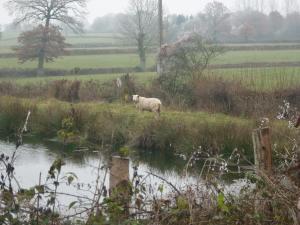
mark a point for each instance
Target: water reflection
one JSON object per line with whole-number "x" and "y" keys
{"x": 34, "y": 158}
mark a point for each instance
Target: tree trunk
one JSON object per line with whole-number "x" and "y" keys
{"x": 161, "y": 37}
{"x": 142, "y": 51}
{"x": 262, "y": 151}
{"x": 41, "y": 60}
{"x": 160, "y": 21}
{"x": 42, "y": 53}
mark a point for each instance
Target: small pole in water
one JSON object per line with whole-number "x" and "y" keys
{"x": 119, "y": 171}
{"x": 119, "y": 186}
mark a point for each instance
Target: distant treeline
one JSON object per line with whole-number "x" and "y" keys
{"x": 221, "y": 25}
{"x": 216, "y": 22}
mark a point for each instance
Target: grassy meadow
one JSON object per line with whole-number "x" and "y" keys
{"x": 179, "y": 131}
{"x": 92, "y": 39}
{"x": 236, "y": 57}
{"x": 85, "y": 41}
{"x": 89, "y": 61}
{"x": 132, "y": 60}
{"x": 258, "y": 79}
{"x": 261, "y": 79}
{"x": 254, "y": 79}
{"x": 142, "y": 78}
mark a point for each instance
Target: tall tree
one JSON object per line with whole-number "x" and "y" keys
{"x": 276, "y": 22}
{"x": 31, "y": 41}
{"x": 139, "y": 25}
{"x": 216, "y": 14}
{"x": 292, "y": 26}
{"x": 45, "y": 12}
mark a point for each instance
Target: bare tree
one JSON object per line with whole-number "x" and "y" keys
{"x": 262, "y": 5}
{"x": 290, "y": 6}
{"x": 216, "y": 14}
{"x": 45, "y": 12}
{"x": 243, "y": 4}
{"x": 189, "y": 57}
{"x": 273, "y": 5}
{"x": 258, "y": 5}
{"x": 140, "y": 25}
{"x": 184, "y": 63}
{"x": 160, "y": 22}
{"x": 287, "y": 6}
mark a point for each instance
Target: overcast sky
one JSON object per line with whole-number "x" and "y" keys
{"x": 102, "y": 7}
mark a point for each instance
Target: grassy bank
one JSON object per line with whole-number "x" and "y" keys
{"x": 116, "y": 125}
{"x": 119, "y": 124}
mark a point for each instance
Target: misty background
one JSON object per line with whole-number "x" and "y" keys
{"x": 236, "y": 20}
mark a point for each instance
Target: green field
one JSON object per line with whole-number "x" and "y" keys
{"x": 132, "y": 60}
{"x": 255, "y": 78}
{"x": 236, "y": 57}
{"x": 10, "y": 39}
{"x": 261, "y": 79}
{"x": 140, "y": 77}
{"x": 93, "y": 39}
{"x": 89, "y": 61}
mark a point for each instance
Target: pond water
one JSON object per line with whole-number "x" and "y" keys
{"x": 33, "y": 159}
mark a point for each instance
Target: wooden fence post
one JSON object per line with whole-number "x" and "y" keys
{"x": 263, "y": 163}
{"x": 262, "y": 150}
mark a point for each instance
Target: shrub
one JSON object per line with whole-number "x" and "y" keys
{"x": 13, "y": 113}
{"x": 107, "y": 129}
{"x": 65, "y": 90}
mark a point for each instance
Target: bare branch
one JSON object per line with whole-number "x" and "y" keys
{"x": 69, "y": 12}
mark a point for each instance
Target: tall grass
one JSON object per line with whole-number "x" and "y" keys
{"x": 212, "y": 93}
{"x": 119, "y": 124}
{"x": 261, "y": 79}
{"x": 116, "y": 125}
{"x": 257, "y": 79}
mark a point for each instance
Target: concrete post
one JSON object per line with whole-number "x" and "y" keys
{"x": 119, "y": 171}
{"x": 120, "y": 188}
